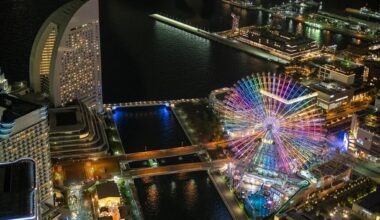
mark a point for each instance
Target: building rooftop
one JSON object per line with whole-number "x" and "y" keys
{"x": 76, "y": 132}
{"x": 298, "y": 215}
{"x": 371, "y": 202}
{"x": 329, "y": 87}
{"x": 371, "y": 122}
{"x": 339, "y": 65}
{"x": 12, "y": 108}
{"x": 18, "y": 189}
{"x": 330, "y": 168}
{"x": 342, "y": 66}
{"x": 105, "y": 218}
{"x": 107, "y": 189}
{"x": 66, "y": 119}
{"x": 286, "y": 38}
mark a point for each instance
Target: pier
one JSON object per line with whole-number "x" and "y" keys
{"x": 215, "y": 37}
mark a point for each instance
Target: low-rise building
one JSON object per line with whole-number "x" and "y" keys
{"x": 332, "y": 94}
{"x": 330, "y": 174}
{"x": 76, "y": 132}
{"x": 108, "y": 200}
{"x": 365, "y": 129}
{"x": 343, "y": 71}
{"x": 281, "y": 44}
{"x": 324, "y": 179}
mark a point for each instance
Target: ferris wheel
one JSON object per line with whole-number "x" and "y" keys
{"x": 273, "y": 122}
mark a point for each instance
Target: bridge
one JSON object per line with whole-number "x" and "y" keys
{"x": 109, "y": 106}
{"x": 171, "y": 152}
{"x": 178, "y": 168}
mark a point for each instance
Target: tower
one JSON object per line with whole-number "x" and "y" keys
{"x": 65, "y": 63}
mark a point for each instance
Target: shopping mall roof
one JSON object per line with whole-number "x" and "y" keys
{"x": 330, "y": 168}
{"x": 330, "y": 87}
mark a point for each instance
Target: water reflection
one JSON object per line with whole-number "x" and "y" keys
{"x": 299, "y": 28}
{"x": 190, "y": 194}
{"x": 259, "y": 20}
{"x": 314, "y": 33}
{"x": 291, "y": 27}
{"x": 153, "y": 196}
{"x": 180, "y": 196}
{"x": 158, "y": 123}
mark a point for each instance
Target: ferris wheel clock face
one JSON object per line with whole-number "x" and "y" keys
{"x": 273, "y": 122}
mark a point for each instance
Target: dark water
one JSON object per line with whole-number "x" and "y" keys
{"x": 129, "y": 69}
{"x": 147, "y": 60}
{"x": 20, "y": 21}
{"x": 181, "y": 196}
{"x": 148, "y": 128}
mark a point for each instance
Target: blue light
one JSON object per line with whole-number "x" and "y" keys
{"x": 345, "y": 141}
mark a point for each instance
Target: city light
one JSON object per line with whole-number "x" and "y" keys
{"x": 273, "y": 123}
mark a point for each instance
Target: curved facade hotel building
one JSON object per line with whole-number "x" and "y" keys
{"x": 65, "y": 62}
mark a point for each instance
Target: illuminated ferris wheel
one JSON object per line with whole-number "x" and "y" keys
{"x": 273, "y": 123}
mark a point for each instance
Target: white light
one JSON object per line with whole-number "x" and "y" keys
{"x": 288, "y": 102}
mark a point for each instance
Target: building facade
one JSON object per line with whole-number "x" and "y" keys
{"x": 65, "y": 62}
{"x": 342, "y": 71}
{"x": 18, "y": 187}
{"x": 76, "y": 132}
{"x": 24, "y": 134}
{"x": 284, "y": 45}
{"x": 332, "y": 94}
{"x": 365, "y": 129}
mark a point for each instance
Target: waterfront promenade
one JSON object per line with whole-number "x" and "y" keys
{"x": 228, "y": 196}
{"x": 215, "y": 37}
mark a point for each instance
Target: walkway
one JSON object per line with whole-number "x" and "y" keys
{"x": 178, "y": 168}
{"x": 228, "y": 197}
{"x": 155, "y": 154}
{"x": 215, "y": 37}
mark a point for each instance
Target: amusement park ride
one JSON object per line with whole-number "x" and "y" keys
{"x": 275, "y": 130}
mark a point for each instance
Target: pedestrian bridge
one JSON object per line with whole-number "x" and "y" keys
{"x": 178, "y": 168}
{"x": 171, "y": 152}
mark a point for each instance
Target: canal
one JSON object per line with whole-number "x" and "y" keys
{"x": 148, "y": 128}
{"x": 181, "y": 196}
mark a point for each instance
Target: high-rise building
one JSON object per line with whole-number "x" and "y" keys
{"x": 24, "y": 134}
{"x": 4, "y": 86}
{"x": 18, "y": 190}
{"x": 65, "y": 62}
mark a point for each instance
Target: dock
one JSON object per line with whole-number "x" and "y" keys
{"x": 215, "y": 37}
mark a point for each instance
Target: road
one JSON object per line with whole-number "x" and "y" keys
{"x": 178, "y": 168}
{"x": 178, "y": 151}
